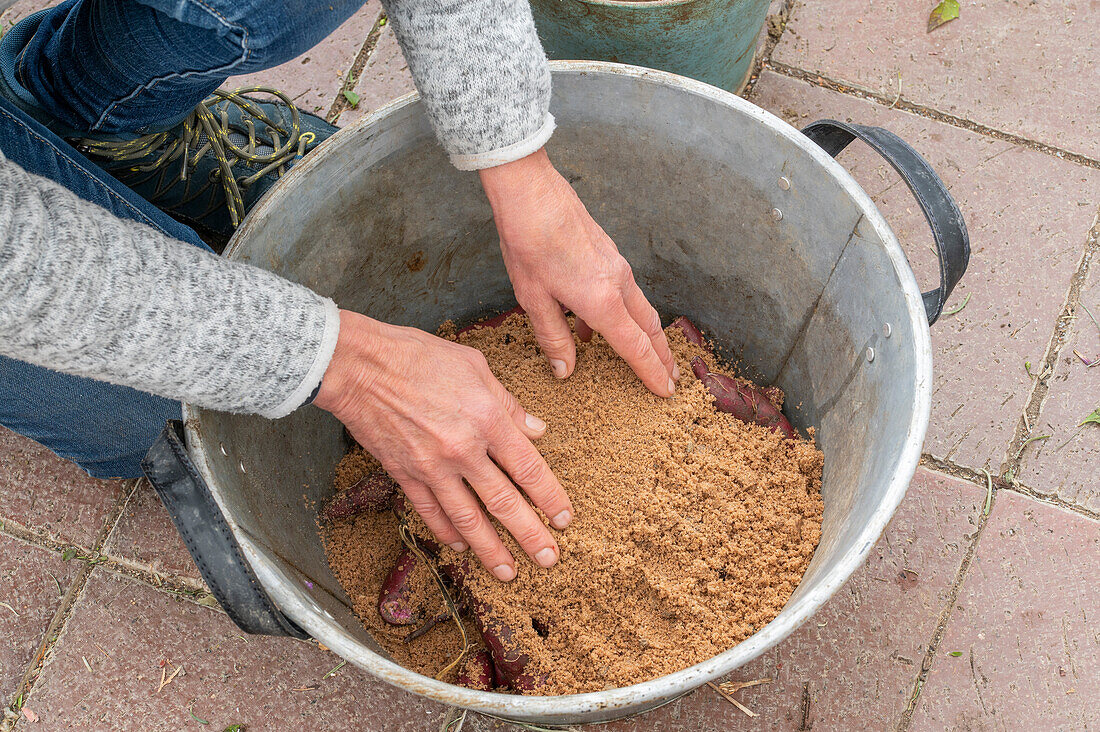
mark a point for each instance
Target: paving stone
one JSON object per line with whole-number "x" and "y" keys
{"x": 227, "y": 678}
{"x": 1025, "y": 626}
{"x": 1028, "y": 215}
{"x": 1028, "y": 68}
{"x": 314, "y": 79}
{"x": 32, "y": 581}
{"x": 144, "y": 536}
{"x": 853, "y": 665}
{"x": 21, "y": 10}
{"x": 1065, "y": 465}
{"x": 50, "y": 495}
{"x": 385, "y": 78}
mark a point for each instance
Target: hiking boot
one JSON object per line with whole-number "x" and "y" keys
{"x": 208, "y": 170}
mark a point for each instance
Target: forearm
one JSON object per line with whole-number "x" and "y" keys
{"x": 482, "y": 73}
{"x": 86, "y": 293}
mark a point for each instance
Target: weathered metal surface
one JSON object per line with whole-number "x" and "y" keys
{"x": 683, "y": 177}
{"x": 708, "y": 40}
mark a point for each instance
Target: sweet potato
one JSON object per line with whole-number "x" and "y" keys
{"x": 494, "y": 321}
{"x": 395, "y": 601}
{"x": 745, "y": 401}
{"x": 509, "y": 661}
{"x": 460, "y": 606}
{"x": 693, "y": 334}
{"x": 374, "y": 493}
{"x": 477, "y": 671}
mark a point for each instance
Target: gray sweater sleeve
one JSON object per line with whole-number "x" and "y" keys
{"x": 86, "y": 293}
{"x": 482, "y": 73}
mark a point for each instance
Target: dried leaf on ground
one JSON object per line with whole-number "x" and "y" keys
{"x": 945, "y": 12}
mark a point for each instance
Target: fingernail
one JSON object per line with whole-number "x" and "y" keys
{"x": 671, "y": 387}
{"x": 534, "y": 423}
{"x": 562, "y": 520}
{"x": 504, "y": 572}
{"x": 558, "y": 367}
{"x": 458, "y": 546}
{"x": 546, "y": 557}
{"x": 675, "y": 372}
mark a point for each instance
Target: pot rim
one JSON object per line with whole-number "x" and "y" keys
{"x": 296, "y": 604}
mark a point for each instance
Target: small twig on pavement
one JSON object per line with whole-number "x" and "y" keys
{"x": 988, "y": 492}
{"x": 898, "y": 97}
{"x": 1071, "y": 438}
{"x": 1088, "y": 364}
{"x": 731, "y": 700}
{"x": 165, "y": 681}
{"x": 732, "y": 687}
{"x": 1033, "y": 439}
{"x": 1091, "y": 316}
{"x": 958, "y": 308}
{"x": 60, "y": 592}
{"x": 332, "y": 673}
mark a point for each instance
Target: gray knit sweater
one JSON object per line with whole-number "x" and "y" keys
{"x": 86, "y": 293}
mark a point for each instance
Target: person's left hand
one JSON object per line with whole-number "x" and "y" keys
{"x": 556, "y": 255}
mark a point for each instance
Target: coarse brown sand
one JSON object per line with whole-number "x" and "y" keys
{"x": 691, "y": 528}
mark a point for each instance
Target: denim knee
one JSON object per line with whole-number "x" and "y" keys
{"x": 269, "y": 32}
{"x": 142, "y": 65}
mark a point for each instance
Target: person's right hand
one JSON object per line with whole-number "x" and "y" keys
{"x": 433, "y": 414}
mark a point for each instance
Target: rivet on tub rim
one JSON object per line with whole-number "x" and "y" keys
{"x": 784, "y": 183}
{"x": 777, "y": 215}
{"x": 870, "y": 354}
{"x": 221, "y": 446}
{"x": 241, "y": 466}
{"x": 887, "y": 330}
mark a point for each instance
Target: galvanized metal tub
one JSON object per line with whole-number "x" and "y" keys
{"x": 727, "y": 214}
{"x": 709, "y": 40}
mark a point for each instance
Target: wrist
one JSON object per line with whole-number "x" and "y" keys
{"x": 354, "y": 362}
{"x": 517, "y": 180}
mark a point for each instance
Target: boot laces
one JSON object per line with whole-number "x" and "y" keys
{"x": 207, "y": 130}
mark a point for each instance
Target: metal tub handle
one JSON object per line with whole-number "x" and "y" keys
{"x": 940, "y": 209}
{"x": 209, "y": 539}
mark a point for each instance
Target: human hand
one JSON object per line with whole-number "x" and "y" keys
{"x": 556, "y": 254}
{"x": 433, "y": 414}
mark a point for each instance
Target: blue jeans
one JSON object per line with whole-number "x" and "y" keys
{"x": 123, "y": 66}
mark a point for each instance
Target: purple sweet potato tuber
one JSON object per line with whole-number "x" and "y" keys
{"x": 373, "y": 493}
{"x": 693, "y": 334}
{"x": 477, "y": 672}
{"x": 395, "y": 601}
{"x": 744, "y": 401}
{"x": 494, "y": 321}
{"x": 509, "y": 661}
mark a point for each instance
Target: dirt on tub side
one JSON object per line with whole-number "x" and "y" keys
{"x": 691, "y": 528}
